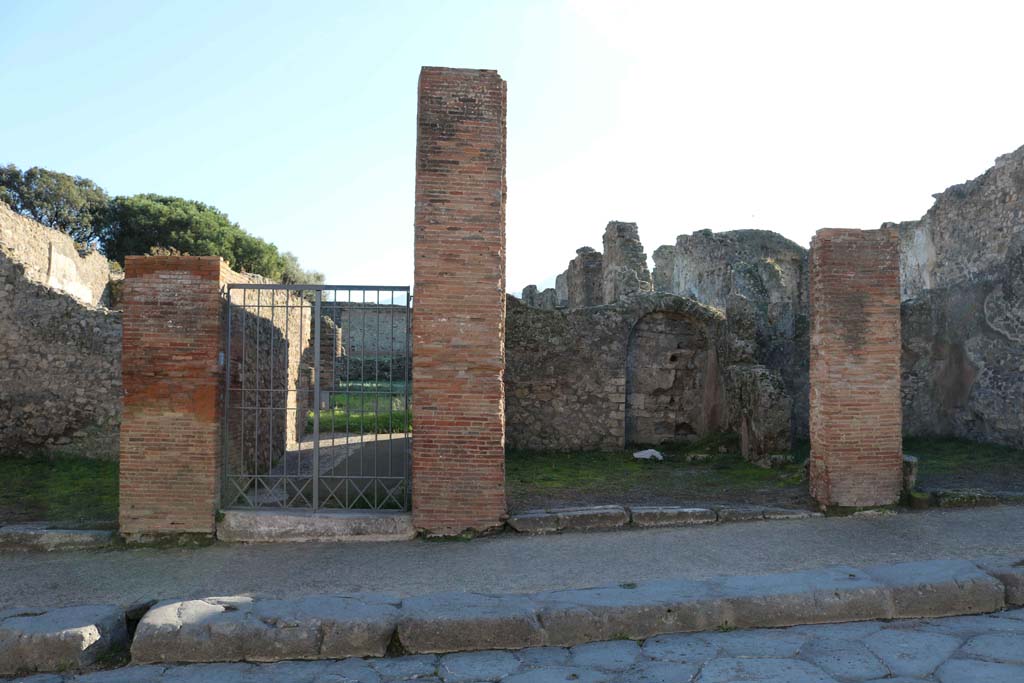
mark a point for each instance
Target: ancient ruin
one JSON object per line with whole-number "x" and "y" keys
{"x": 961, "y": 278}
{"x": 913, "y": 329}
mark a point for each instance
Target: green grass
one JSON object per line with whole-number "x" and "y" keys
{"x": 608, "y": 474}
{"x": 956, "y": 456}
{"x": 63, "y": 489}
{"x": 366, "y": 408}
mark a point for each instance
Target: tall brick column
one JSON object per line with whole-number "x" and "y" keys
{"x": 170, "y": 427}
{"x": 458, "y": 452}
{"x": 856, "y": 418}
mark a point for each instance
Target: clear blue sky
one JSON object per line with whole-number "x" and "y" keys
{"x": 298, "y": 119}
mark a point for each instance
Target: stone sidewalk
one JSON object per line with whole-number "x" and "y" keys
{"x": 974, "y": 649}
{"x": 508, "y": 563}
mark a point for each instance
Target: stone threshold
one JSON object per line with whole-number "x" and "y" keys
{"x": 38, "y": 536}
{"x": 605, "y": 517}
{"x": 243, "y": 628}
{"x": 267, "y": 526}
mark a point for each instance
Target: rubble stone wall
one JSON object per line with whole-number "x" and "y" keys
{"x": 962, "y": 285}
{"x": 60, "y": 362}
{"x": 650, "y": 369}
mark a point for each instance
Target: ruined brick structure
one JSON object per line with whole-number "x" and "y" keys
{"x": 855, "y": 412}
{"x": 458, "y": 456}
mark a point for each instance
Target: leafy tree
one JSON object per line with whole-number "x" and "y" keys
{"x": 294, "y": 274}
{"x": 143, "y": 223}
{"x": 71, "y": 204}
{"x": 139, "y": 223}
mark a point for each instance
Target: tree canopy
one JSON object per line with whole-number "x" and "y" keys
{"x": 143, "y": 223}
{"x": 71, "y": 204}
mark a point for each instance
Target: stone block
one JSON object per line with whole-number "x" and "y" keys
{"x": 457, "y": 622}
{"x": 245, "y": 629}
{"x": 939, "y": 588}
{"x": 740, "y": 514}
{"x": 585, "y": 615}
{"x": 59, "y": 639}
{"x": 782, "y": 513}
{"x": 807, "y": 597}
{"x": 570, "y": 519}
{"x": 1011, "y": 575}
{"x": 262, "y": 526}
{"x": 654, "y": 516}
{"x": 38, "y": 537}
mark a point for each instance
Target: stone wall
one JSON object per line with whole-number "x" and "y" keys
{"x": 584, "y": 279}
{"x": 624, "y": 268}
{"x": 963, "y": 357}
{"x": 963, "y": 310}
{"x": 651, "y": 369}
{"x": 59, "y": 344}
{"x": 968, "y": 232}
{"x": 709, "y": 267}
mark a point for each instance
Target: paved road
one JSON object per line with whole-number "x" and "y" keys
{"x": 978, "y": 649}
{"x": 506, "y": 563}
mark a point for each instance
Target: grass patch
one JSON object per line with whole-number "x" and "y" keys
{"x": 366, "y": 408}
{"x": 956, "y": 456}
{"x": 616, "y": 476}
{"x": 63, "y": 489}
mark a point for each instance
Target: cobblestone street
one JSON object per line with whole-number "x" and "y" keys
{"x": 974, "y": 649}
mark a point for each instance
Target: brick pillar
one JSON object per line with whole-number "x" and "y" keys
{"x": 458, "y": 452}
{"x": 856, "y": 419}
{"x": 170, "y": 428}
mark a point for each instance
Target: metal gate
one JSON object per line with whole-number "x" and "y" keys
{"x": 317, "y": 397}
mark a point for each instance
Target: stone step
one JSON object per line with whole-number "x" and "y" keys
{"x": 265, "y": 526}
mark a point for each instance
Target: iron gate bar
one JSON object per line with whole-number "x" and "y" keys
{"x": 274, "y": 475}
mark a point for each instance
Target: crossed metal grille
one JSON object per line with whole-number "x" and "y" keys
{"x": 317, "y": 397}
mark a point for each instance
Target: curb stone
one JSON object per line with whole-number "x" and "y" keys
{"x": 38, "y": 537}
{"x": 604, "y": 517}
{"x": 247, "y": 629}
{"x": 1011, "y": 575}
{"x": 58, "y": 639}
{"x": 240, "y": 628}
{"x": 456, "y": 622}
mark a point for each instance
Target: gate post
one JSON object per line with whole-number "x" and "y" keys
{"x": 458, "y": 445}
{"x": 855, "y": 413}
{"x": 171, "y": 366}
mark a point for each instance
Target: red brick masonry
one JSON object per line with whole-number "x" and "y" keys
{"x": 458, "y": 321}
{"x": 170, "y": 429}
{"x": 856, "y": 419}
